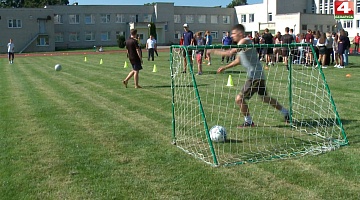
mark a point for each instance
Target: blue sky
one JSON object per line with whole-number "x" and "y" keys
{"x": 209, "y": 3}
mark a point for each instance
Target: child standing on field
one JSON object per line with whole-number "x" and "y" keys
{"x": 199, "y": 53}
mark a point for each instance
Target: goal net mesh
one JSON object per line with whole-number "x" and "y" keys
{"x": 202, "y": 101}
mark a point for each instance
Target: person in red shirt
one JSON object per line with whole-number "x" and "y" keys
{"x": 181, "y": 42}
{"x": 356, "y": 42}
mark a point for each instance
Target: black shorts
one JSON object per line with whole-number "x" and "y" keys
{"x": 189, "y": 52}
{"x": 136, "y": 67}
{"x": 253, "y": 86}
{"x": 268, "y": 50}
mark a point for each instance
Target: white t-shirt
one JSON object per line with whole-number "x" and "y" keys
{"x": 10, "y": 47}
{"x": 151, "y": 43}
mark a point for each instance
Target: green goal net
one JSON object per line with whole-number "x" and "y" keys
{"x": 200, "y": 102}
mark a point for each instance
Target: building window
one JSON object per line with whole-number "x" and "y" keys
{"x": 132, "y": 18}
{"x": 313, "y": 6}
{"x": 270, "y": 17}
{"x": 214, "y": 34}
{"x": 357, "y": 23}
{"x": 118, "y": 33}
{"x": 214, "y": 19}
{"x": 58, "y": 19}
{"x": 348, "y": 24}
{"x": 358, "y": 6}
{"x": 304, "y": 27}
{"x": 105, "y": 18}
{"x": 59, "y": 37}
{"x": 177, "y": 35}
{"x": 328, "y": 28}
{"x": 120, "y": 18}
{"x": 89, "y": 19}
{"x": 189, "y": 18}
{"x": 226, "y": 19}
{"x": 42, "y": 40}
{"x": 74, "y": 37}
{"x": 177, "y": 19}
{"x": 14, "y": 23}
{"x": 147, "y": 18}
{"x": 89, "y": 36}
{"x": 74, "y": 19}
{"x": 202, "y": 19}
{"x": 243, "y": 18}
{"x": 251, "y": 17}
{"x": 105, "y": 36}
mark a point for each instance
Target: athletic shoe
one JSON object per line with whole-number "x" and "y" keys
{"x": 209, "y": 63}
{"x": 246, "y": 124}
{"x": 340, "y": 67}
{"x": 200, "y": 73}
{"x": 336, "y": 66}
{"x": 324, "y": 67}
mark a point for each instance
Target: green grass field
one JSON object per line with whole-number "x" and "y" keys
{"x": 79, "y": 134}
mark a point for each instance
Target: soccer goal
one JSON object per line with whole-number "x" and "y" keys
{"x": 200, "y": 102}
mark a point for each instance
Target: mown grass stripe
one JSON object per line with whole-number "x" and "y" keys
{"x": 41, "y": 86}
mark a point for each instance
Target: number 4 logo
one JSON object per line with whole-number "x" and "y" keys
{"x": 344, "y": 7}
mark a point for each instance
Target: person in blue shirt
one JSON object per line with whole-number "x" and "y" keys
{"x": 227, "y": 40}
{"x": 188, "y": 40}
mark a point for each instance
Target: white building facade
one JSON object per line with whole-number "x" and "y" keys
{"x": 77, "y": 26}
{"x": 299, "y": 15}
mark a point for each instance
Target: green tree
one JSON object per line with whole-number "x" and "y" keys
{"x": 153, "y": 30}
{"x": 237, "y": 3}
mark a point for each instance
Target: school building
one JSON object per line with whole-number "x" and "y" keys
{"x": 84, "y": 26}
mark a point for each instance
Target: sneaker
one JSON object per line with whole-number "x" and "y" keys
{"x": 324, "y": 67}
{"x": 209, "y": 63}
{"x": 200, "y": 73}
{"x": 246, "y": 124}
{"x": 336, "y": 66}
{"x": 340, "y": 67}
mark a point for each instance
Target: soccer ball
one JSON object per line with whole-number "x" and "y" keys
{"x": 217, "y": 133}
{"x": 57, "y": 67}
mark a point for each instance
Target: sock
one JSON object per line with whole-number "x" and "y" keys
{"x": 248, "y": 119}
{"x": 284, "y": 111}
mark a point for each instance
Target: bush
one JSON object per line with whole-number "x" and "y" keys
{"x": 121, "y": 41}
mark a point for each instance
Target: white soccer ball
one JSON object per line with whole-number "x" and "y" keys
{"x": 57, "y": 67}
{"x": 217, "y": 133}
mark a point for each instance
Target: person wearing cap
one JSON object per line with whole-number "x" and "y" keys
{"x": 188, "y": 40}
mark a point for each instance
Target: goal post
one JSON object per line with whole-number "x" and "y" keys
{"x": 200, "y": 102}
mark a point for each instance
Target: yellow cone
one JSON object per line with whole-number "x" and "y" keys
{"x": 125, "y": 65}
{"x": 230, "y": 81}
{"x": 154, "y": 69}
{"x": 101, "y": 61}
{"x": 85, "y": 59}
